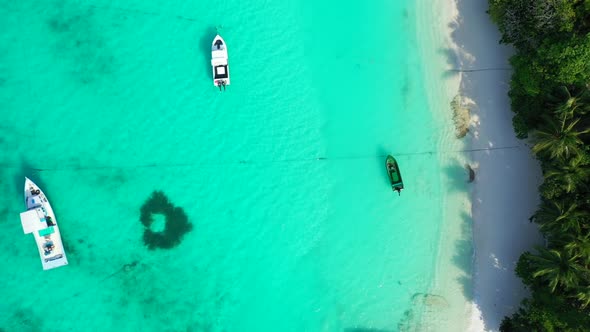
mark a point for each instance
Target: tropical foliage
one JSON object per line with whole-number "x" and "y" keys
{"x": 559, "y": 138}
{"x": 550, "y": 95}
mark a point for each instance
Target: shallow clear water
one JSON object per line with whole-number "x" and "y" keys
{"x": 294, "y": 225}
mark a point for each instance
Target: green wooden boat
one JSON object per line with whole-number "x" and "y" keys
{"x": 395, "y": 177}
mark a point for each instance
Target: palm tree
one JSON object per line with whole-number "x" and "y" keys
{"x": 567, "y": 104}
{"x": 583, "y": 295}
{"x": 559, "y": 138}
{"x": 556, "y": 267}
{"x": 571, "y": 175}
{"x": 578, "y": 245}
{"x": 560, "y": 216}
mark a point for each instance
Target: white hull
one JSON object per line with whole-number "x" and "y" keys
{"x": 219, "y": 62}
{"x": 40, "y": 220}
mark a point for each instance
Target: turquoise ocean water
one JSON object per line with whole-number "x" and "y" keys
{"x": 294, "y": 226}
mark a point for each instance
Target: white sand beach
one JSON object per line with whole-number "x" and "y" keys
{"x": 505, "y": 192}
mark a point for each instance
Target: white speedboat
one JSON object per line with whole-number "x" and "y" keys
{"x": 219, "y": 62}
{"x": 40, "y": 220}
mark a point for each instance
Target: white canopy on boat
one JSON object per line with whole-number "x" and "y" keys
{"x": 33, "y": 220}
{"x": 219, "y": 54}
{"x": 218, "y": 62}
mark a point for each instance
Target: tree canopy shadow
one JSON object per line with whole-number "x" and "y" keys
{"x": 458, "y": 177}
{"x": 463, "y": 257}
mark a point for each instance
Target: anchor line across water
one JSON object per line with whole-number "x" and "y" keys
{"x": 252, "y": 162}
{"x": 460, "y": 70}
{"x": 125, "y": 268}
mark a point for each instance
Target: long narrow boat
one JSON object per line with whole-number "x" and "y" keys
{"x": 219, "y": 62}
{"x": 395, "y": 177}
{"x": 40, "y": 220}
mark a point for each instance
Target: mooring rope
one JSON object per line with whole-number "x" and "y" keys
{"x": 460, "y": 70}
{"x": 125, "y": 268}
{"x": 249, "y": 162}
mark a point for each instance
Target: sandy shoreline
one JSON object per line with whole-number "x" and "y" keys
{"x": 505, "y": 190}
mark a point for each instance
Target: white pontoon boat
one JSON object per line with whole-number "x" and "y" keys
{"x": 40, "y": 220}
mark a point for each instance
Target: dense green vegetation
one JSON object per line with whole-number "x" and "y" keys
{"x": 550, "y": 95}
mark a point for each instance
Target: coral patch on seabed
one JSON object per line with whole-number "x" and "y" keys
{"x": 177, "y": 223}
{"x": 79, "y": 40}
{"x": 461, "y": 107}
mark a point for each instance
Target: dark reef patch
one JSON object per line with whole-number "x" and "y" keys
{"x": 110, "y": 179}
{"x": 177, "y": 223}
{"x": 24, "y": 320}
{"x": 79, "y": 40}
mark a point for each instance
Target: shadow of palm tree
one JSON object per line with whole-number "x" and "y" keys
{"x": 458, "y": 178}
{"x": 452, "y": 60}
{"x": 463, "y": 257}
